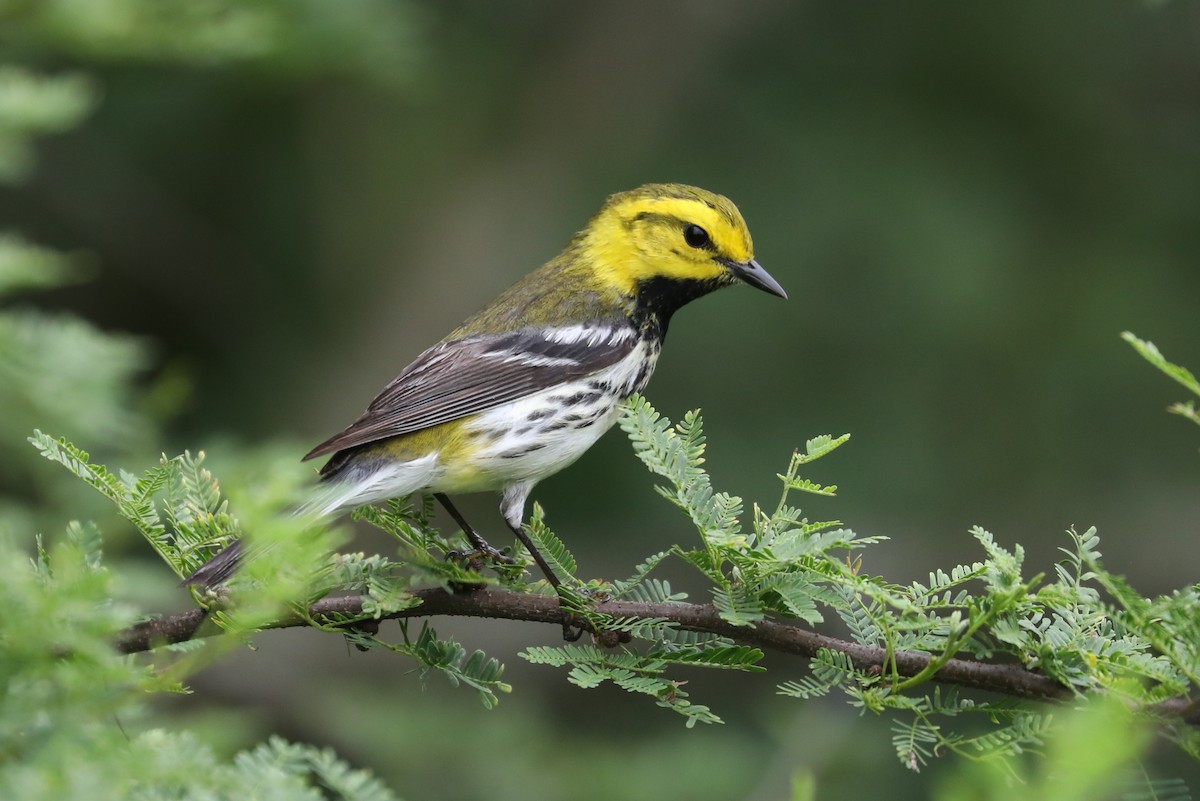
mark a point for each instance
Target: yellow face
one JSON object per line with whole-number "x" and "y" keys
{"x": 667, "y": 231}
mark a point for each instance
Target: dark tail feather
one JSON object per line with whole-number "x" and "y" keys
{"x": 219, "y": 569}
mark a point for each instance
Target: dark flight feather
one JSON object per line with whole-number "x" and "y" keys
{"x": 465, "y": 376}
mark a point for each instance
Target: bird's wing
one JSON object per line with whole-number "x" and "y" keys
{"x": 463, "y": 376}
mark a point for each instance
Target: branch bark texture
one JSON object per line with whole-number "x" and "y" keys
{"x": 1008, "y": 679}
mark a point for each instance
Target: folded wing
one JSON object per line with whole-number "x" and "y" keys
{"x": 464, "y": 376}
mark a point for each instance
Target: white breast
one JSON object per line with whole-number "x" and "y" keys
{"x": 540, "y": 434}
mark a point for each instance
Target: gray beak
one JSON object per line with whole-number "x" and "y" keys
{"x": 753, "y": 274}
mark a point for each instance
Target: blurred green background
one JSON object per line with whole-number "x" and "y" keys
{"x": 966, "y": 202}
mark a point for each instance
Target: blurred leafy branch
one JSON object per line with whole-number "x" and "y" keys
{"x": 377, "y": 40}
{"x": 67, "y": 694}
{"x": 66, "y": 689}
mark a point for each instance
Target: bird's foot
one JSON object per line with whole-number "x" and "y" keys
{"x": 572, "y": 628}
{"x": 473, "y": 559}
{"x": 495, "y": 554}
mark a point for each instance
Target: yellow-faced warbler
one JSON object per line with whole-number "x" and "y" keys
{"x": 525, "y": 386}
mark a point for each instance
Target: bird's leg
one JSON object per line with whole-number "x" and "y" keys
{"x": 513, "y": 509}
{"x": 572, "y": 631}
{"x": 479, "y": 543}
{"x": 537, "y": 555}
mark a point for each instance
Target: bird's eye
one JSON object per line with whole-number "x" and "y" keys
{"x": 696, "y": 237}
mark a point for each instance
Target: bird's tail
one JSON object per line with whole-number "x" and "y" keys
{"x": 345, "y": 488}
{"x": 219, "y": 569}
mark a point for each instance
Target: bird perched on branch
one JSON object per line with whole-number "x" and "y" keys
{"x": 521, "y": 389}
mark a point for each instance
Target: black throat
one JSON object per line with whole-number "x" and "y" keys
{"x": 659, "y": 298}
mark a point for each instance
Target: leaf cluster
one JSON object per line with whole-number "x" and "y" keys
{"x": 68, "y": 694}
{"x": 1083, "y": 627}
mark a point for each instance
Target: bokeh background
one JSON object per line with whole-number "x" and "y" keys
{"x": 966, "y": 202}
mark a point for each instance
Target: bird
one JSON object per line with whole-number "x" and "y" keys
{"x": 525, "y": 386}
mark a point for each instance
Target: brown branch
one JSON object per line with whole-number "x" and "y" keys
{"x": 1007, "y": 679}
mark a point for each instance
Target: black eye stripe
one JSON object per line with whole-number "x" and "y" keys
{"x": 697, "y": 237}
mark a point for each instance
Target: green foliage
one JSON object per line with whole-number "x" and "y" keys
{"x": 32, "y": 105}
{"x": 27, "y": 266}
{"x": 89, "y": 390}
{"x": 178, "y": 490}
{"x": 592, "y": 666}
{"x": 70, "y": 700}
{"x": 179, "y": 509}
{"x": 476, "y": 670}
{"x": 780, "y": 565}
{"x": 552, "y": 549}
{"x": 70, "y": 697}
{"x": 786, "y": 567}
{"x": 369, "y": 38}
{"x": 752, "y": 573}
{"x": 1179, "y": 374}
{"x": 424, "y": 556}
{"x": 1090, "y": 754}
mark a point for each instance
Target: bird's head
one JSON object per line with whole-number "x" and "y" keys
{"x": 673, "y": 234}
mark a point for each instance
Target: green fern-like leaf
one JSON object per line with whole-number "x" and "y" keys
{"x": 797, "y": 596}
{"x": 476, "y": 670}
{"x": 626, "y": 588}
{"x": 806, "y": 688}
{"x": 1140, "y": 787}
{"x": 737, "y": 605}
{"x": 915, "y": 742}
{"x": 860, "y": 619}
{"x": 79, "y": 463}
{"x": 317, "y": 766}
{"x": 652, "y": 591}
{"x": 677, "y": 454}
{"x": 555, "y": 552}
{"x": 1179, "y": 374}
{"x": 729, "y": 657}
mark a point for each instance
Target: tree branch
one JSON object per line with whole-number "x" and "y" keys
{"x": 1007, "y": 679}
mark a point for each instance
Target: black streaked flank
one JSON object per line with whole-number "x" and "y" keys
{"x": 517, "y": 453}
{"x": 581, "y": 397}
{"x": 643, "y": 376}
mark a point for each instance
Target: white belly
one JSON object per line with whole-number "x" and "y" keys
{"x": 538, "y": 435}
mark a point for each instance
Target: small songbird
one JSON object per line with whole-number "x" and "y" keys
{"x": 521, "y": 389}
